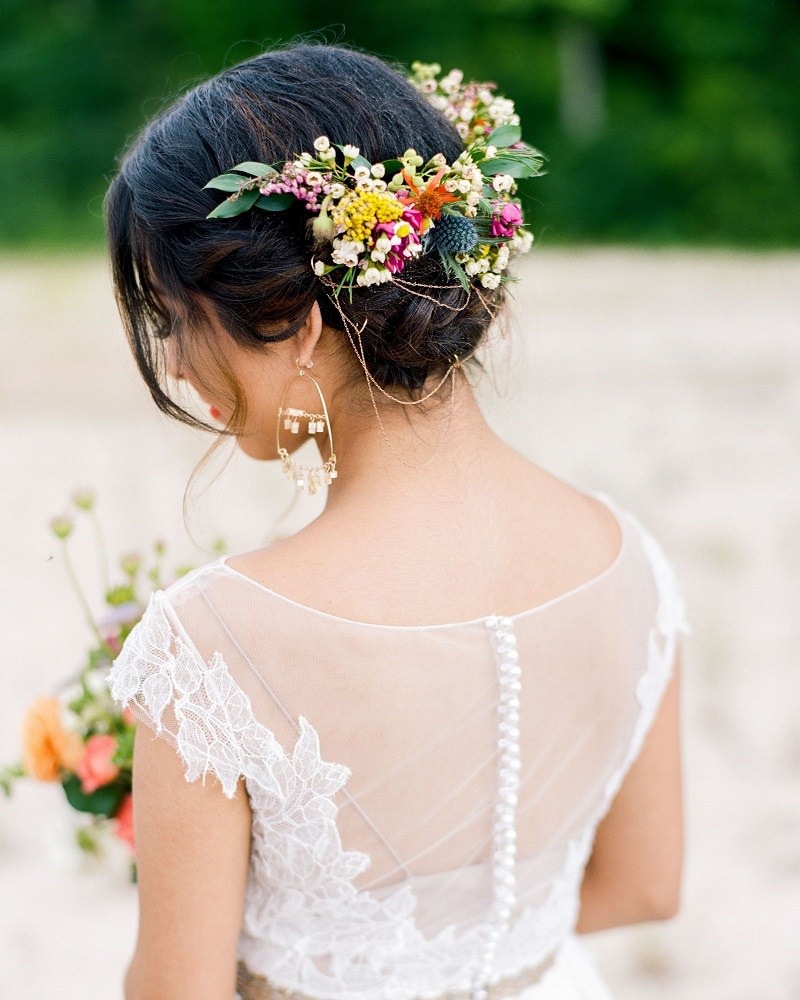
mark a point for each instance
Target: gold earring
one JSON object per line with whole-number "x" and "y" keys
{"x": 307, "y": 477}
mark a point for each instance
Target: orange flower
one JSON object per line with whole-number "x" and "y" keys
{"x": 95, "y": 768}
{"x": 123, "y": 827}
{"x": 48, "y": 748}
{"x": 428, "y": 200}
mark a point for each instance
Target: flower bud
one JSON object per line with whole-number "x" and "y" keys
{"x": 131, "y": 563}
{"x": 62, "y": 526}
{"x": 83, "y": 499}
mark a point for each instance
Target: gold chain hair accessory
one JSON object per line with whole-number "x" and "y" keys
{"x": 307, "y": 477}
{"x": 369, "y": 220}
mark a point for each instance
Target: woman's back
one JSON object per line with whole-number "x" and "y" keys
{"x": 424, "y": 796}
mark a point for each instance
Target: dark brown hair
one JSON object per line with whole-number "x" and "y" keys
{"x": 170, "y": 263}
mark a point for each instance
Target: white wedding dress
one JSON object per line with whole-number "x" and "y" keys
{"x": 424, "y": 799}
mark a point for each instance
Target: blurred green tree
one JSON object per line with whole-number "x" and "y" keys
{"x": 663, "y": 120}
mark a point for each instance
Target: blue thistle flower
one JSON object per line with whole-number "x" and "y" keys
{"x": 453, "y": 234}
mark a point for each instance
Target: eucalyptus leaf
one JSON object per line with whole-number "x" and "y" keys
{"x": 227, "y": 182}
{"x": 359, "y": 161}
{"x": 514, "y": 168}
{"x": 256, "y": 169}
{"x": 275, "y": 202}
{"x": 235, "y": 206}
{"x": 505, "y": 135}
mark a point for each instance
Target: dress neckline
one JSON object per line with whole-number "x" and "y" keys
{"x": 622, "y": 527}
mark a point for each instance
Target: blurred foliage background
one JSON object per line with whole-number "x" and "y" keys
{"x": 664, "y": 121}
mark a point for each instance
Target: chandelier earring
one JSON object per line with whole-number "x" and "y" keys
{"x": 307, "y": 477}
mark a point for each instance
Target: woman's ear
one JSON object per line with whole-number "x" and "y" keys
{"x": 308, "y": 335}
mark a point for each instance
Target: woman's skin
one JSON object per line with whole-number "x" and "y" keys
{"x": 490, "y": 530}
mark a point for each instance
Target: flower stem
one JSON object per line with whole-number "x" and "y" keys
{"x": 102, "y": 553}
{"x": 73, "y": 579}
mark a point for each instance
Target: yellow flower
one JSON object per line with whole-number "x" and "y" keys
{"x": 359, "y": 212}
{"x": 47, "y": 747}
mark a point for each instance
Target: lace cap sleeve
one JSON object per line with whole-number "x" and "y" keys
{"x": 193, "y": 704}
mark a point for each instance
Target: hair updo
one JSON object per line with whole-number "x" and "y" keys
{"x": 255, "y": 270}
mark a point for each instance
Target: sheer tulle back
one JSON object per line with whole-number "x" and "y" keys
{"x": 437, "y": 786}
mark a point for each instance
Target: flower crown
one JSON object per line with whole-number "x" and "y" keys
{"x": 370, "y": 219}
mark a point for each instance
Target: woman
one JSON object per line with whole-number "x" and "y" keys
{"x": 437, "y": 729}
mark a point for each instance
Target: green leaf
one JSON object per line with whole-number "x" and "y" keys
{"x": 104, "y": 802}
{"x": 255, "y": 169}
{"x": 392, "y": 167}
{"x": 235, "y": 206}
{"x": 505, "y": 135}
{"x": 514, "y": 168}
{"x": 275, "y": 202}
{"x": 227, "y": 182}
{"x": 454, "y": 269}
{"x": 359, "y": 161}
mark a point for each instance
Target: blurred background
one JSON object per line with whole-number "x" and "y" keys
{"x": 652, "y": 353}
{"x": 664, "y": 120}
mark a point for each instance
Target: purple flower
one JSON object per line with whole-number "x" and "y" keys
{"x": 504, "y": 222}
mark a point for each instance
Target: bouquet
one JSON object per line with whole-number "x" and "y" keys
{"x": 77, "y": 737}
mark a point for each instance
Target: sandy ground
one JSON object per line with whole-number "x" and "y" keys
{"x": 668, "y": 380}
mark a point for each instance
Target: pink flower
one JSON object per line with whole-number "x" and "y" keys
{"x": 404, "y": 235}
{"x": 95, "y": 768}
{"x": 123, "y": 826}
{"x": 509, "y": 216}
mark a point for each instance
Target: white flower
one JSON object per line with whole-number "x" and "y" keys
{"x": 326, "y": 155}
{"x": 490, "y": 280}
{"x": 313, "y": 180}
{"x": 439, "y": 160}
{"x": 471, "y": 211}
{"x": 439, "y": 102}
{"x": 502, "y": 110}
{"x": 378, "y": 256}
{"x": 428, "y": 86}
{"x": 483, "y": 265}
{"x": 304, "y": 159}
{"x": 379, "y": 185}
{"x": 485, "y": 96}
{"x": 361, "y": 173}
{"x": 473, "y": 198}
{"x": 450, "y": 83}
{"x": 383, "y": 243}
{"x": 463, "y": 129}
{"x": 347, "y": 252}
{"x": 491, "y": 152}
{"x": 322, "y": 143}
{"x": 319, "y": 268}
{"x": 371, "y": 276}
{"x": 350, "y": 152}
{"x": 337, "y": 191}
{"x": 502, "y": 182}
{"x": 368, "y": 184}
{"x": 464, "y": 186}
{"x": 378, "y": 170}
{"x": 472, "y": 268}
{"x": 501, "y": 260}
{"x": 521, "y": 242}
{"x": 451, "y": 184}
{"x": 466, "y": 114}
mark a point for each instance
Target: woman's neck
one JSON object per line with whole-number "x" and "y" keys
{"x": 432, "y": 450}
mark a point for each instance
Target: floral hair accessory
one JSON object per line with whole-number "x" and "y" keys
{"x": 370, "y": 219}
